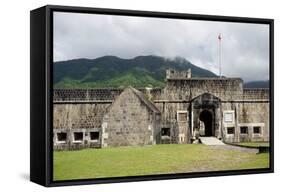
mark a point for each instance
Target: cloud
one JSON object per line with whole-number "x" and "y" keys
{"x": 245, "y": 47}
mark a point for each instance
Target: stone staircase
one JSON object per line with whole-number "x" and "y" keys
{"x": 210, "y": 141}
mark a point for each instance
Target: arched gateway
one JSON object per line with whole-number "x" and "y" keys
{"x": 205, "y": 116}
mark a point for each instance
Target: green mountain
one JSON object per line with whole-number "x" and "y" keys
{"x": 111, "y": 71}
{"x": 257, "y": 84}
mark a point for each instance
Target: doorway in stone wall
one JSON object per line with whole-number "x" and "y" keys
{"x": 204, "y": 112}
{"x": 206, "y": 123}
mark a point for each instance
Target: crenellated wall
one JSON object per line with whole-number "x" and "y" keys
{"x": 98, "y": 94}
{"x": 85, "y": 94}
{"x": 183, "y": 74}
{"x": 255, "y": 94}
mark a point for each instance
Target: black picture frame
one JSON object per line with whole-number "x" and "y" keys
{"x": 41, "y": 58}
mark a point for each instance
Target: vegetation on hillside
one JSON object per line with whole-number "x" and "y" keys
{"x": 111, "y": 71}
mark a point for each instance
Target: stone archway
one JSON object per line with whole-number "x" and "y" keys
{"x": 206, "y": 120}
{"x": 205, "y": 111}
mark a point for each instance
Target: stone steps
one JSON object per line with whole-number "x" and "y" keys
{"x": 210, "y": 141}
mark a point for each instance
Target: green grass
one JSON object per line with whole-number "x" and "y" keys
{"x": 156, "y": 159}
{"x": 254, "y": 144}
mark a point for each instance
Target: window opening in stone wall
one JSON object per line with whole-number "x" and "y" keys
{"x": 230, "y": 130}
{"x": 95, "y": 135}
{"x": 257, "y": 130}
{"x": 61, "y": 136}
{"x": 78, "y": 136}
{"x": 244, "y": 130}
{"x": 165, "y": 132}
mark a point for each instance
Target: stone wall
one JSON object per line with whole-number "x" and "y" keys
{"x": 251, "y": 115}
{"x": 183, "y": 74}
{"x": 250, "y": 106}
{"x": 71, "y": 118}
{"x": 169, "y": 114}
{"x": 74, "y": 116}
{"x": 85, "y": 94}
{"x": 247, "y": 115}
{"x": 129, "y": 122}
{"x": 82, "y": 111}
{"x": 187, "y": 89}
{"x": 71, "y": 144}
{"x": 255, "y": 94}
{"x": 99, "y": 94}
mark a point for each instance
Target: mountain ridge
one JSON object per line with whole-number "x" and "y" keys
{"x": 257, "y": 84}
{"x": 113, "y": 71}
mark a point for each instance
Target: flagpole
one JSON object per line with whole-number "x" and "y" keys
{"x": 219, "y": 37}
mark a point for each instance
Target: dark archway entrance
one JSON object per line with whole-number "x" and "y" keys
{"x": 205, "y": 112}
{"x": 207, "y": 118}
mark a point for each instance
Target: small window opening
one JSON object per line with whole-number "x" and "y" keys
{"x": 257, "y": 130}
{"x": 94, "y": 135}
{"x": 244, "y": 130}
{"x": 78, "y": 136}
{"x": 165, "y": 132}
{"x": 230, "y": 130}
{"x": 61, "y": 136}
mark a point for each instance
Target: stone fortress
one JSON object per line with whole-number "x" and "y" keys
{"x": 185, "y": 110}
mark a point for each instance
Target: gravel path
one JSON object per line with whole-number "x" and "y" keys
{"x": 231, "y": 147}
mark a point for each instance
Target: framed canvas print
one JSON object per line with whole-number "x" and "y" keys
{"x": 123, "y": 95}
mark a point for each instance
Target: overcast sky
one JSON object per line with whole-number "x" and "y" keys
{"x": 245, "y": 47}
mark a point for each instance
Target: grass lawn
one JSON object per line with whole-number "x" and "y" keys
{"x": 149, "y": 160}
{"x": 254, "y": 144}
